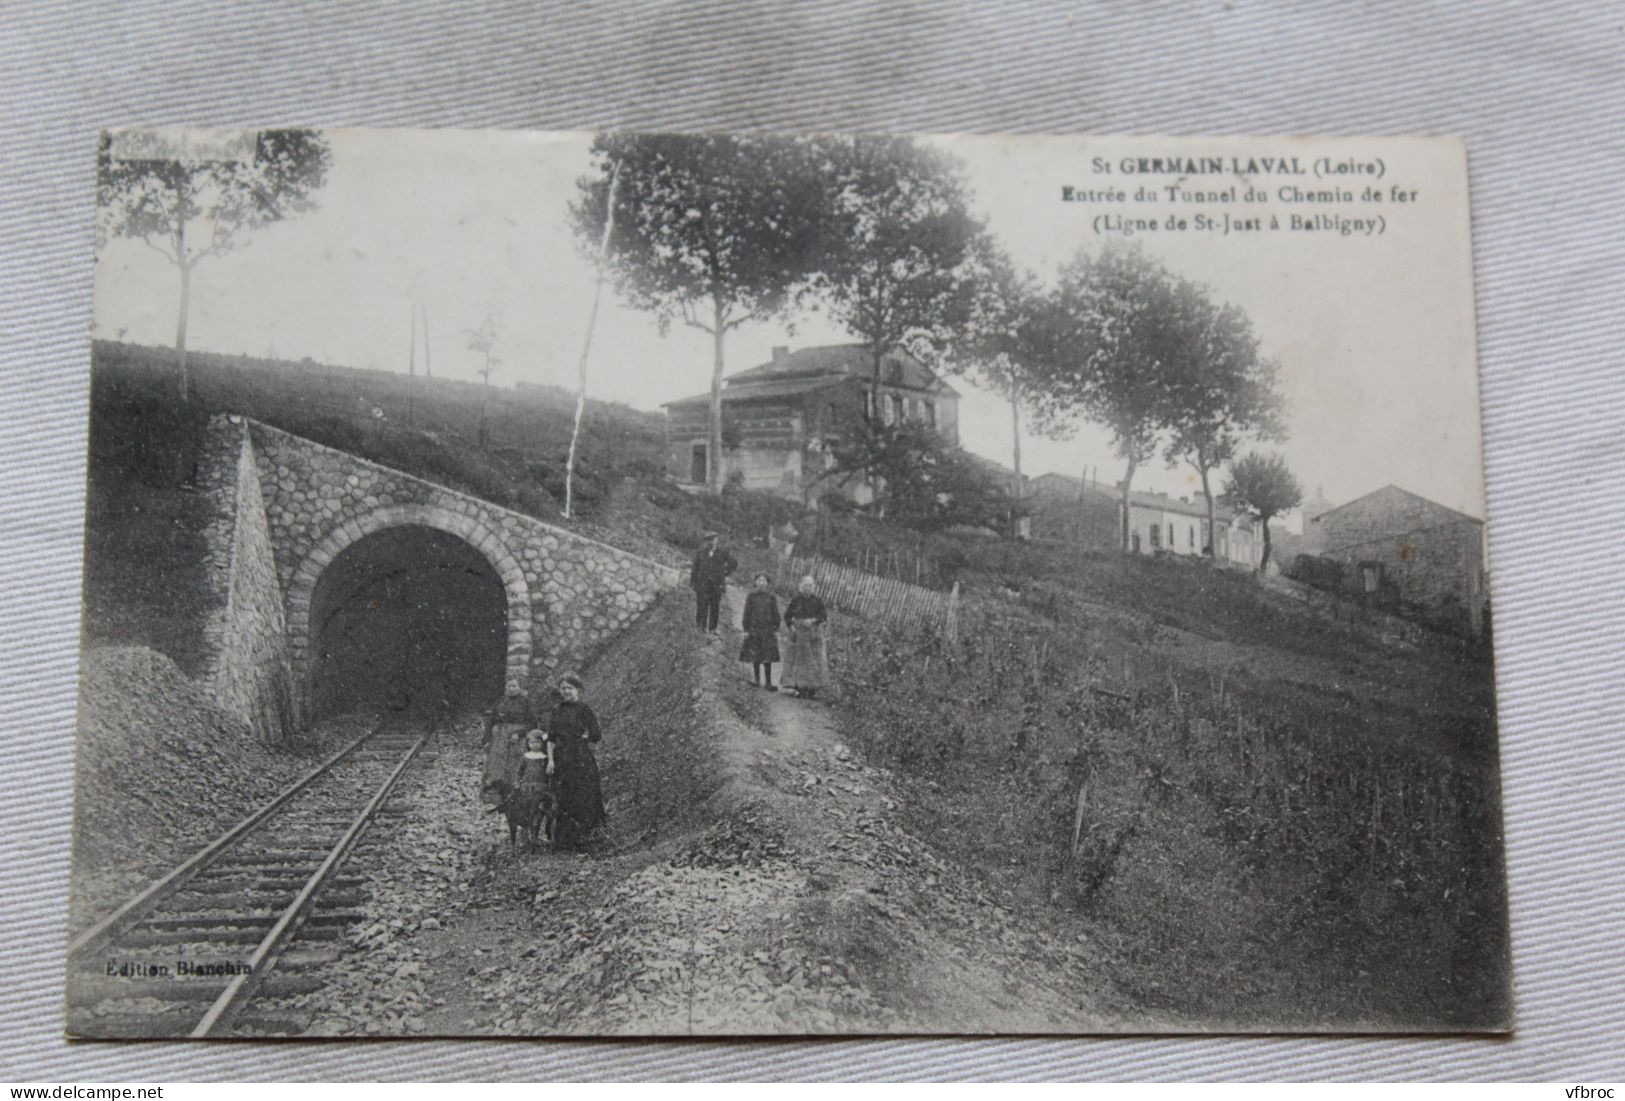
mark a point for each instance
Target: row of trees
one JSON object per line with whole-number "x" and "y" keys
{"x": 714, "y": 231}
{"x": 1122, "y": 341}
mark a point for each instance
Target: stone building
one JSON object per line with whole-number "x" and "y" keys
{"x": 1068, "y": 510}
{"x": 1397, "y": 547}
{"x": 779, "y": 418}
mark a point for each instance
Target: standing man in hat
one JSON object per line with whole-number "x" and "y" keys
{"x": 708, "y": 578}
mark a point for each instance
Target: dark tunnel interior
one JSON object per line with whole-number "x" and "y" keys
{"x": 408, "y": 619}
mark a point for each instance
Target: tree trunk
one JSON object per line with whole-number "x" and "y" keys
{"x": 713, "y": 445}
{"x": 586, "y": 345}
{"x": 185, "y": 263}
{"x": 485, "y": 395}
{"x": 411, "y": 365}
{"x": 1015, "y": 437}
{"x": 1264, "y": 562}
{"x": 1212, "y": 550}
{"x": 1015, "y": 455}
{"x": 1128, "y": 478}
{"x": 876, "y": 355}
{"x": 428, "y": 371}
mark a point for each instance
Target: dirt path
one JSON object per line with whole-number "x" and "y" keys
{"x": 791, "y": 904}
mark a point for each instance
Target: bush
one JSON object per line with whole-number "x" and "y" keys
{"x": 1312, "y": 569}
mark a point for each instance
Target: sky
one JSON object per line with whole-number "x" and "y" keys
{"x": 1374, "y": 334}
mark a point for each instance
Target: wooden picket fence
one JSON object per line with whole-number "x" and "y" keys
{"x": 902, "y": 605}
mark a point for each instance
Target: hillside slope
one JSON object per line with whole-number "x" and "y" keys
{"x": 1274, "y": 818}
{"x": 755, "y": 879}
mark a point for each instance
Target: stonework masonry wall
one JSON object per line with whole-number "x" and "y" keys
{"x": 1431, "y": 555}
{"x": 567, "y": 594}
{"x": 1434, "y": 567}
{"x": 246, "y": 633}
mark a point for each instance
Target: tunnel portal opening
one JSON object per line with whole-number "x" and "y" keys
{"x": 408, "y": 619}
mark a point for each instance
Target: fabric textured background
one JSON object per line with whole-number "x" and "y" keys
{"x": 1537, "y": 90}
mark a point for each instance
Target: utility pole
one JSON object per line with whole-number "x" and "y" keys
{"x": 427, "y": 373}
{"x": 411, "y": 362}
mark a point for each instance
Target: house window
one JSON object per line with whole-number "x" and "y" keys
{"x": 696, "y": 463}
{"x": 1156, "y": 536}
{"x": 894, "y": 409}
{"x": 1171, "y": 543}
{"x": 931, "y": 413}
{"x": 831, "y": 421}
{"x": 1134, "y": 541}
{"x": 869, "y": 405}
{"x": 1370, "y": 576}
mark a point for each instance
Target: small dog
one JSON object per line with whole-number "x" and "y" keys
{"x": 530, "y": 808}
{"x": 530, "y": 804}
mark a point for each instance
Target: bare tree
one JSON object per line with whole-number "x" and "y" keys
{"x": 586, "y": 344}
{"x": 484, "y": 340}
{"x": 163, "y": 189}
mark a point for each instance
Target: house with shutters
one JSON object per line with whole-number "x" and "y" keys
{"x": 781, "y": 417}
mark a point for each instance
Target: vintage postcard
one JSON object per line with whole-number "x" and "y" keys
{"x": 645, "y": 585}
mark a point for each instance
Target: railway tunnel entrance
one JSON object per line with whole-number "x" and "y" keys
{"x": 408, "y": 618}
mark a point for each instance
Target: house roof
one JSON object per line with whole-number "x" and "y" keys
{"x": 826, "y": 359}
{"x": 1140, "y": 498}
{"x": 829, "y": 359}
{"x": 806, "y": 369}
{"x": 1392, "y": 489}
{"x": 763, "y": 389}
{"x": 1162, "y": 501}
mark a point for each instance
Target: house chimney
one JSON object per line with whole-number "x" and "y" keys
{"x": 781, "y": 353}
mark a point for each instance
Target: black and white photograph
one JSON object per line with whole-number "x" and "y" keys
{"x": 623, "y": 584}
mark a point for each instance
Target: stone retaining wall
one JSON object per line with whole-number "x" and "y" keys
{"x": 248, "y": 669}
{"x": 567, "y": 594}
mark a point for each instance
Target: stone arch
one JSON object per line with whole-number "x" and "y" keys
{"x": 302, "y": 586}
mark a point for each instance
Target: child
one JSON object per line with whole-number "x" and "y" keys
{"x": 761, "y": 645}
{"x": 528, "y": 805}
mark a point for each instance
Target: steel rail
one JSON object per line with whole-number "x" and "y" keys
{"x": 242, "y": 988}
{"x": 138, "y": 907}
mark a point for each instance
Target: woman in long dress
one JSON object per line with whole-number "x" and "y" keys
{"x": 761, "y": 624}
{"x": 505, "y": 726}
{"x": 573, "y": 731}
{"x": 806, "y": 660}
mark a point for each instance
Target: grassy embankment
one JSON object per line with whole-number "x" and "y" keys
{"x": 1271, "y": 818}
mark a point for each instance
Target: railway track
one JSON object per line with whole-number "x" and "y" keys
{"x": 249, "y": 922}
